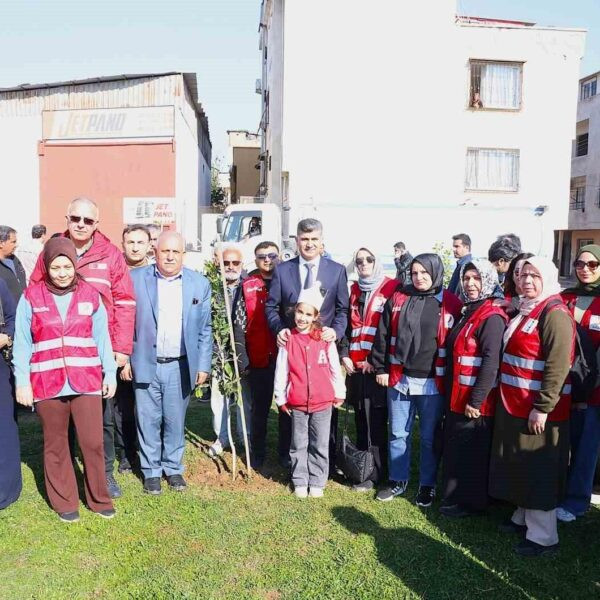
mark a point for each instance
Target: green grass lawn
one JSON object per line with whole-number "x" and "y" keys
{"x": 256, "y": 540}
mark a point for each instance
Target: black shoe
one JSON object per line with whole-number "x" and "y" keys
{"x": 152, "y": 486}
{"x": 124, "y": 466}
{"x": 529, "y": 548}
{"x": 396, "y": 488}
{"x": 509, "y": 526}
{"x": 457, "y": 511}
{"x": 69, "y": 517}
{"x": 109, "y": 513}
{"x": 114, "y": 491}
{"x": 425, "y": 496}
{"x": 176, "y": 483}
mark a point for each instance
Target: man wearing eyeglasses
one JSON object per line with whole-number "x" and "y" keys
{"x": 233, "y": 271}
{"x": 102, "y": 265}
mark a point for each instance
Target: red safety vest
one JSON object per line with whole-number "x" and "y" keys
{"x": 310, "y": 388}
{"x": 261, "y": 344}
{"x": 450, "y": 311}
{"x": 522, "y": 367}
{"x": 66, "y": 350}
{"x": 364, "y": 328}
{"x": 588, "y": 317}
{"x": 466, "y": 361}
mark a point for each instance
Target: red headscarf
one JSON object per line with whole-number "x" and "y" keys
{"x": 59, "y": 246}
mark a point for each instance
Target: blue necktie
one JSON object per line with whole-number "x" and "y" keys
{"x": 309, "y": 281}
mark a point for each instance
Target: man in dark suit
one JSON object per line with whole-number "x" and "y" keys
{"x": 288, "y": 279}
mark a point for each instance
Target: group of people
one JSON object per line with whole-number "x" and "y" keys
{"x": 115, "y": 341}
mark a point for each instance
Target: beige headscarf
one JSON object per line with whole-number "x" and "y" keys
{"x": 550, "y": 286}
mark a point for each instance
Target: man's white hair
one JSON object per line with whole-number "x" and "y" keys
{"x": 83, "y": 200}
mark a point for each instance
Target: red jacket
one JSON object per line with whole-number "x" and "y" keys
{"x": 261, "y": 344}
{"x": 66, "y": 350}
{"x": 467, "y": 359}
{"x": 450, "y": 311}
{"x": 522, "y": 368}
{"x": 310, "y": 388}
{"x": 104, "y": 267}
{"x": 364, "y": 328}
{"x": 589, "y": 320}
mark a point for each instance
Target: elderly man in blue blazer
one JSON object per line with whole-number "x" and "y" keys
{"x": 172, "y": 350}
{"x": 288, "y": 279}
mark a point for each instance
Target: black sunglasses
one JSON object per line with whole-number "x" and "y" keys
{"x": 270, "y": 256}
{"x": 74, "y": 219}
{"x": 362, "y": 261}
{"x": 592, "y": 265}
{"x": 235, "y": 263}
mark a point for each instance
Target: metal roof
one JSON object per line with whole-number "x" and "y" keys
{"x": 189, "y": 79}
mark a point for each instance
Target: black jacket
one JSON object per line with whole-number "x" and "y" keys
{"x": 15, "y": 283}
{"x": 403, "y": 268}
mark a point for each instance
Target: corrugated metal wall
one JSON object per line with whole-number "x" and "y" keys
{"x": 151, "y": 91}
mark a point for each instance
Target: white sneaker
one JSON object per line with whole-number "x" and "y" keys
{"x": 216, "y": 449}
{"x": 316, "y": 492}
{"x": 564, "y": 515}
{"x": 595, "y": 499}
{"x": 301, "y": 492}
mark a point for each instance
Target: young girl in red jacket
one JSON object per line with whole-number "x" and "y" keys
{"x": 308, "y": 382}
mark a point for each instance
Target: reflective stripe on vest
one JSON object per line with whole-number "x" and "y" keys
{"x": 67, "y": 341}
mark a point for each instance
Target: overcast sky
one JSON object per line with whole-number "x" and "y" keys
{"x": 56, "y": 40}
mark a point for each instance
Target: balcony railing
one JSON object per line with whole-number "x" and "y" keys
{"x": 577, "y": 199}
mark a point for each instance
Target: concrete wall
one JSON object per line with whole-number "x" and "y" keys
{"x": 246, "y": 175}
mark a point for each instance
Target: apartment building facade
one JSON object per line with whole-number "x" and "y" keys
{"x": 457, "y": 123}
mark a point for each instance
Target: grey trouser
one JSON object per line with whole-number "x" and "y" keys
{"x": 309, "y": 451}
{"x": 541, "y": 525}
{"x": 220, "y": 410}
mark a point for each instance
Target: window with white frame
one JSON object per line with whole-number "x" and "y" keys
{"x": 496, "y": 84}
{"x": 588, "y": 88}
{"x": 492, "y": 169}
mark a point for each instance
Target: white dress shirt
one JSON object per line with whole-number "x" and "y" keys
{"x": 304, "y": 271}
{"x": 170, "y": 315}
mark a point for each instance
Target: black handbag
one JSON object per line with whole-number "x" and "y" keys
{"x": 357, "y": 465}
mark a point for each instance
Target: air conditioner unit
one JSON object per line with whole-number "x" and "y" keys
{"x": 258, "y": 86}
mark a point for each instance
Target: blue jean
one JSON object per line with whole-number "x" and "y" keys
{"x": 163, "y": 404}
{"x": 585, "y": 444}
{"x": 402, "y": 411}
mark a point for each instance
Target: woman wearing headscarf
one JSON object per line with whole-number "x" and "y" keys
{"x": 368, "y": 296}
{"x": 583, "y": 301}
{"x": 10, "y": 460}
{"x": 511, "y": 282}
{"x": 530, "y": 447}
{"x": 409, "y": 358}
{"x": 62, "y": 347}
{"x": 473, "y": 357}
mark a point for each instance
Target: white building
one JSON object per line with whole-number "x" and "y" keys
{"x": 456, "y": 123}
{"x": 584, "y": 198}
{"x": 138, "y": 145}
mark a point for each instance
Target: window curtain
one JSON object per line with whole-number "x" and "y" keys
{"x": 500, "y": 85}
{"x": 495, "y": 170}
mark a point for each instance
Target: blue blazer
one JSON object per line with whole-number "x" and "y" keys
{"x": 197, "y": 332}
{"x": 285, "y": 289}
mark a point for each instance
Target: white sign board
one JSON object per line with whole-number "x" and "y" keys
{"x": 149, "y": 211}
{"x": 108, "y": 123}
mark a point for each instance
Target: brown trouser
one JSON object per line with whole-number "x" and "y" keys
{"x": 59, "y": 474}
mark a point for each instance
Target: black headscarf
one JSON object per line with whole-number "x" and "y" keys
{"x": 409, "y": 321}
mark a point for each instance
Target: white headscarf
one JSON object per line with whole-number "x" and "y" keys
{"x": 550, "y": 286}
{"x": 369, "y": 284}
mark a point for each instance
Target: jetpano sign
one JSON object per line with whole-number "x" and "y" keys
{"x": 108, "y": 123}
